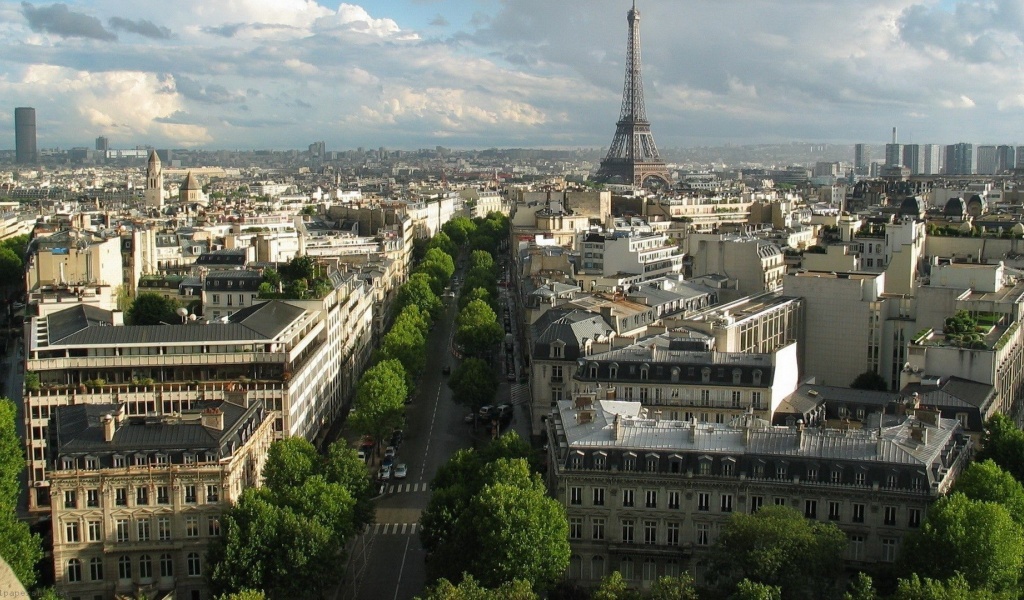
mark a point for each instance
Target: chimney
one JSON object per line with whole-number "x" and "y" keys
{"x": 657, "y": 416}
{"x": 108, "y": 428}
{"x": 617, "y": 428}
{"x": 116, "y": 318}
{"x": 609, "y": 393}
{"x": 213, "y": 418}
{"x": 799, "y": 433}
{"x": 693, "y": 429}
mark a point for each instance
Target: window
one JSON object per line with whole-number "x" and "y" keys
{"x": 145, "y": 567}
{"x": 598, "y": 496}
{"x": 755, "y": 399}
{"x": 858, "y": 513}
{"x": 705, "y": 397}
{"x": 650, "y": 572}
{"x": 672, "y": 534}
{"x": 652, "y": 463}
{"x": 759, "y": 469}
{"x": 673, "y": 500}
{"x": 672, "y": 568}
{"x": 70, "y": 499}
{"x": 891, "y": 480}
{"x": 597, "y": 568}
{"x": 576, "y": 496}
{"x": 629, "y": 462}
{"x": 727, "y": 467}
{"x": 756, "y": 502}
{"x": 191, "y": 526}
{"x": 735, "y": 399}
{"x": 890, "y": 515}
{"x": 166, "y": 566}
{"x": 142, "y": 526}
{"x": 162, "y": 496}
{"x": 913, "y": 517}
{"x": 627, "y": 498}
{"x": 888, "y": 549}
{"x": 652, "y": 499}
{"x": 141, "y": 496}
{"x": 96, "y": 569}
{"x": 833, "y": 511}
{"x": 837, "y": 476}
{"x": 626, "y": 568}
{"x": 650, "y": 532}
{"x": 779, "y": 501}
{"x": 74, "y": 570}
{"x": 703, "y": 501}
{"x": 118, "y": 461}
{"x": 163, "y": 528}
{"x": 856, "y": 547}
{"x": 860, "y": 478}
{"x": 212, "y": 493}
{"x": 121, "y": 528}
{"x": 95, "y": 530}
{"x": 705, "y": 467}
{"x": 597, "y": 529}
{"x": 599, "y": 460}
{"x": 71, "y": 533}
{"x": 811, "y": 509}
{"x": 92, "y": 498}
{"x": 194, "y": 568}
{"x": 812, "y": 474}
{"x": 190, "y": 494}
{"x": 121, "y": 496}
{"x": 703, "y": 533}
{"x": 627, "y": 531}
{"x": 124, "y": 568}
{"x": 780, "y": 471}
{"x": 575, "y": 528}
{"x": 726, "y": 502}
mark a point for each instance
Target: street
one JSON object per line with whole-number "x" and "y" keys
{"x": 387, "y": 562}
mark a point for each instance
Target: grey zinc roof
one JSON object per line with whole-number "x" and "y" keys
{"x": 570, "y": 326}
{"x": 892, "y": 445}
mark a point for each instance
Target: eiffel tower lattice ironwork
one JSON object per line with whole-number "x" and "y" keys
{"x": 633, "y": 156}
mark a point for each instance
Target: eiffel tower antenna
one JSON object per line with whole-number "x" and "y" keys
{"x": 633, "y": 156}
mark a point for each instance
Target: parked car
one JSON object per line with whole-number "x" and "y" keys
{"x": 389, "y": 452}
{"x": 396, "y": 438}
{"x": 389, "y": 461}
{"x": 400, "y": 471}
{"x": 470, "y": 418}
{"x": 384, "y": 473}
{"x": 485, "y": 411}
{"x": 504, "y": 411}
{"x": 447, "y": 370}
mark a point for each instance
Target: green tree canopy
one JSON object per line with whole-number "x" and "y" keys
{"x": 18, "y": 545}
{"x": 418, "y": 292}
{"x": 406, "y": 343}
{"x": 987, "y": 482}
{"x": 473, "y": 383}
{"x": 1003, "y": 443}
{"x": 477, "y": 329}
{"x": 153, "y": 309}
{"x": 459, "y": 229}
{"x": 750, "y": 590}
{"x": 290, "y": 462}
{"x": 380, "y": 400}
{"x": 777, "y": 546}
{"x": 12, "y": 270}
{"x": 978, "y": 539}
{"x": 869, "y": 380}
{"x": 956, "y": 588}
{"x": 470, "y": 589}
{"x": 480, "y": 259}
{"x": 444, "y": 243}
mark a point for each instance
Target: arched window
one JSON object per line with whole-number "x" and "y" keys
{"x": 96, "y": 569}
{"x": 74, "y": 570}
{"x": 597, "y": 568}
{"x": 124, "y": 568}
{"x": 166, "y": 565}
{"x": 194, "y": 568}
{"x": 145, "y": 567}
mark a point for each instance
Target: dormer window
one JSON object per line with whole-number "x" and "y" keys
{"x": 675, "y": 374}
{"x": 67, "y": 463}
{"x": 613, "y": 371}
{"x": 629, "y": 461}
{"x": 737, "y": 374}
{"x": 600, "y": 460}
{"x": 644, "y": 370}
{"x": 757, "y": 376}
{"x": 705, "y": 375}
{"x": 556, "y": 350}
{"x": 593, "y": 370}
{"x": 705, "y": 463}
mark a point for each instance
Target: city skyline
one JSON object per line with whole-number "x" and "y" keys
{"x": 517, "y": 73}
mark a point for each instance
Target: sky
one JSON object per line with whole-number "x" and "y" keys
{"x": 406, "y": 74}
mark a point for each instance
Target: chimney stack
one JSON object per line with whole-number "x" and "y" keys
{"x": 799, "y": 433}
{"x": 617, "y": 428}
{"x": 213, "y": 418}
{"x": 108, "y": 428}
{"x": 116, "y": 318}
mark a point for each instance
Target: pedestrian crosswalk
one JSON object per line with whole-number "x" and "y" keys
{"x": 520, "y": 393}
{"x": 405, "y": 488}
{"x": 395, "y": 528}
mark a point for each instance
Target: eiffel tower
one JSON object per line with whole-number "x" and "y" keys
{"x": 633, "y": 157}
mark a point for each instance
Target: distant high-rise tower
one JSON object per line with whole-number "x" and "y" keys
{"x": 987, "y": 160}
{"x": 959, "y": 159}
{"x": 894, "y": 152}
{"x": 25, "y": 135}
{"x": 861, "y": 159}
{"x": 633, "y": 156}
{"x": 1006, "y": 158}
{"x": 912, "y": 158}
{"x": 154, "y": 194}
{"x": 102, "y": 144}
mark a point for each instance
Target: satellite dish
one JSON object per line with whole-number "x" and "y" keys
{"x": 182, "y": 311}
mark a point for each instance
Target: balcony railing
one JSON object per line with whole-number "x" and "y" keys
{"x": 156, "y": 360}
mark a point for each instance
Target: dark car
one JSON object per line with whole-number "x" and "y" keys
{"x": 396, "y": 438}
{"x": 447, "y": 370}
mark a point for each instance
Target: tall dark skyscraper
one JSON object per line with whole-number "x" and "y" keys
{"x": 633, "y": 156}
{"x": 25, "y": 135}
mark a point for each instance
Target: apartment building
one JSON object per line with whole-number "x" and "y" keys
{"x": 624, "y": 257}
{"x": 761, "y": 323}
{"x": 136, "y": 500}
{"x": 301, "y": 358}
{"x": 754, "y": 265}
{"x": 648, "y": 496}
{"x": 683, "y": 375}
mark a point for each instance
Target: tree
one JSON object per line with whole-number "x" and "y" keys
{"x": 956, "y": 588}
{"x": 470, "y": 589}
{"x": 1003, "y": 443}
{"x": 869, "y": 380}
{"x": 459, "y": 229}
{"x": 418, "y": 292}
{"x": 861, "y": 588}
{"x": 480, "y": 259}
{"x": 444, "y": 243}
{"x": 985, "y": 481}
{"x": 406, "y": 343}
{"x": 380, "y": 399}
{"x": 18, "y": 545}
{"x": 343, "y": 466}
{"x": 244, "y": 595}
{"x": 289, "y": 463}
{"x": 614, "y": 587}
{"x": 750, "y": 590}
{"x": 777, "y": 546}
{"x": 477, "y": 329}
{"x": 473, "y": 383}
{"x": 152, "y": 309}
{"x": 978, "y": 539}
{"x": 673, "y": 588}
{"x": 12, "y": 270}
